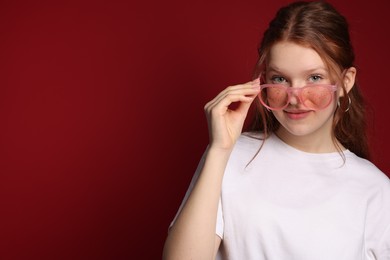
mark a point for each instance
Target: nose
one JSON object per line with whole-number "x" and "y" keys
{"x": 294, "y": 99}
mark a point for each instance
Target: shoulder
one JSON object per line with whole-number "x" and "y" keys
{"x": 250, "y": 138}
{"x": 367, "y": 172}
{"x": 368, "y": 178}
{"x": 245, "y": 149}
{"x": 248, "y": 143}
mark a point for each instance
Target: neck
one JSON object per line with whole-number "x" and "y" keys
{"x": 312, "y": 143}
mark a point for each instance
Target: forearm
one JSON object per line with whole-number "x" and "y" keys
{"x": 193, "y": 234}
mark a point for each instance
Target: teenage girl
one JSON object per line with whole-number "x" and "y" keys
{"x": 299, "y": 185}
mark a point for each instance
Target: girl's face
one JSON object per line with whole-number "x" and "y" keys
{"x": 296, "y": 66}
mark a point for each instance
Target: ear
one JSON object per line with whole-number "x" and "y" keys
{"x": 349, "y": 79}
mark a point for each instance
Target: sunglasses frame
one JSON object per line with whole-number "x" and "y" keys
{"x": 298, "y": 91}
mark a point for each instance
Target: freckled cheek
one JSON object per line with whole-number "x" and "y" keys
{"x": 277, "y": 98}
{"x": 320, "y": 100}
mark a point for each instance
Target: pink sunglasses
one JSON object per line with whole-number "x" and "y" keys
{"x": 313, "y": 96}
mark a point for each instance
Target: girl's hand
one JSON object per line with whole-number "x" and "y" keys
{"x": 225, "y": 125}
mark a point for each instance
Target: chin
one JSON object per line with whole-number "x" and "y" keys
{"x": 297, "y": 131}
{"x": 307, "y": 129}
{"x": 314, "y": 124}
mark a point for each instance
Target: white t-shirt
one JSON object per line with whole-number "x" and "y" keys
{"x": 289, "y": 204}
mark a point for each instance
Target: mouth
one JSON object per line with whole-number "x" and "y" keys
{"x": 297, "y": 114}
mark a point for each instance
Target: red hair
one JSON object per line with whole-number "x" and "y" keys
{"x": 319, "y": 26}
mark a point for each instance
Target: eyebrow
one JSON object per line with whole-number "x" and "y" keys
{"x": 308, "y": 71}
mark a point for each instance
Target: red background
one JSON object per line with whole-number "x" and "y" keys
{"x": 102, "y": 120}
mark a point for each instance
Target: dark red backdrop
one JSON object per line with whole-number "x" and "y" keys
{"x": 101, "y": 111}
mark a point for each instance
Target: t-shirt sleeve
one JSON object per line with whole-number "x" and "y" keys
{"x": 384, "y": 245}
{"x": 220, "y": 223}
{"x": 377, "y": 233}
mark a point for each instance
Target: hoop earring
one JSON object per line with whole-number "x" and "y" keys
{"x": 349, "y": 104}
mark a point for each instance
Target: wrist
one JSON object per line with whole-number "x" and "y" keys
{"x": 221, "y": 152}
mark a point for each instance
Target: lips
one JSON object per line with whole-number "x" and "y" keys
{"x": 297, "y": 114}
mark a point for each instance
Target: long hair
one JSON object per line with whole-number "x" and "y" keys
{"x": 320, "y": 26}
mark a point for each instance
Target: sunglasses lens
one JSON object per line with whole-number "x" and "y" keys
{"x": 316, "y": 97}
{"x": 274, "y": 97}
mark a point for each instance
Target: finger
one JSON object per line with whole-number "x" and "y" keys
{"x": 222, "y": 107}
{"x": 247, "y": 85}
{"x": 245, "y": 90}
{"x": 244, "y": 106}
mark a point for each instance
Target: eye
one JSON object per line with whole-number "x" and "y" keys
{"x": 278, "y": 79}
{"x": 315, "y": 78}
